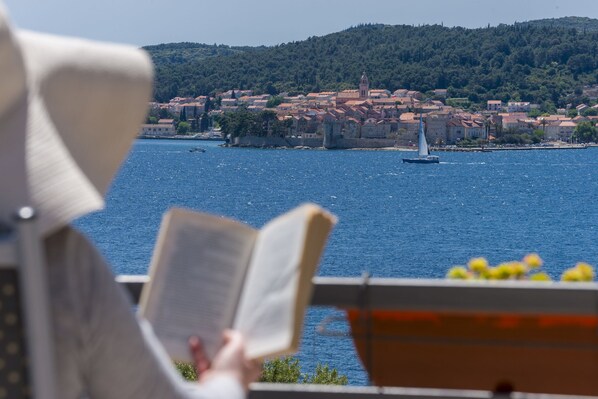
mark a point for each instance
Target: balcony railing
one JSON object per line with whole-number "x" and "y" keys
{"x": 429, "y": 295}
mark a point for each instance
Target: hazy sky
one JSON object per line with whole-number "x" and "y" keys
{"x": 247, "y": 22}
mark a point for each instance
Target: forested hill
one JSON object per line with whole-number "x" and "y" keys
{"x": 531, "y": 62}
{"x": 582, "y": 24}
{"x": 181, "y": 53}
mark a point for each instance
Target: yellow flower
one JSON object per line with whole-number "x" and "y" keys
{"x": 572, "y": 274}
{"x": 540, "y": 277}
{"x": 478, "y": 265}
{"x": 518, "y": 269}
{"x": 486, "y": 274}
{"x": 586, "y": 270}
{"x": 458, "y": 272}
{"x": 502, "y": 271}
{"x": 533, "y": 260}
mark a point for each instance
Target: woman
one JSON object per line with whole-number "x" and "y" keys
{"x": 69, "y": 111}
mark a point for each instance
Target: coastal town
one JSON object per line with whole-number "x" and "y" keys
{"x": 369, "y": 118}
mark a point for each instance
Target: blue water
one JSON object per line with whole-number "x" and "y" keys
{"x": 395, "y": 219}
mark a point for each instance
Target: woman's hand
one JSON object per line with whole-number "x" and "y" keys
{"x": 230, "y": 360}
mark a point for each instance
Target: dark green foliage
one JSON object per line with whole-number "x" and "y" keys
{"x": 538, "y": 136}
{"x": 469, "y": 142}
{"x": 183, "y": 128}
{"x": 536, "y": 63}
{"x": 518, "y": 139}
{"x": 243, "y": 122}
{"x": 274, "y": 101}
{"x": 581, "y": 24}
{"x": 586, "y": 132}
{"x": 182, "y": 53}
{"x": 204, "y": 122}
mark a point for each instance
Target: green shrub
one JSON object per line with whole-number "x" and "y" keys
{"x": 284, "y": 370}
{"x": 324, "y": 375}
{"x": 288, "y": 370}
{"x": 187, "y": 371}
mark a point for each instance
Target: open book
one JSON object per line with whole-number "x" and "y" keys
{"x": 210, "y": 273}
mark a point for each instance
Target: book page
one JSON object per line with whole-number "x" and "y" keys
{"x": 196, "y": 277}
{"x": 267, "y": 312}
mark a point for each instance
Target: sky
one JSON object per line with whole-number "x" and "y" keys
{"x": 266, "y": 22}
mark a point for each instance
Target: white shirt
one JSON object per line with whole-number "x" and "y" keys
{"x": 102, "y": 350}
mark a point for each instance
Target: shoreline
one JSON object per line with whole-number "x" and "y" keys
{"x": 514, "y": 148}
{"x": 184, "y": 138}
{"x": 432, "y": 149}
{"x": 556, "y": 146}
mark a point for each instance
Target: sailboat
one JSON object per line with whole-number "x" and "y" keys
{"x": 422, "y": 147}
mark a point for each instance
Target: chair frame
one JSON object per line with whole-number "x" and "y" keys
{"x": 23, "y": 251}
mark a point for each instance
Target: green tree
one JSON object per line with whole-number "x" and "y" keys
{"x": 585, "y": 132}
{"x": 209, "y": 105}
{"x": 534, "y": 113}
{"x": 183, "y": 128}
{"x": 538, "y": 136}
{"x": 274, "y": 101}
{"x": 164, "y": 114}
{"x": 204, "y": 122}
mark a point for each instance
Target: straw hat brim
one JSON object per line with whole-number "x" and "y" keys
{"x": 73, "y": 111}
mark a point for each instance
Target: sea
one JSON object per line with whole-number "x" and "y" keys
{"x": 394, "y": 219}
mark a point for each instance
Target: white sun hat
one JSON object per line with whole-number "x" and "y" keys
{"x": 69, "y": 112}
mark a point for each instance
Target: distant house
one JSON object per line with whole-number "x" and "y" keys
{"x": 379, "y": 93}
{"x": 164, "y": 127}
{"x": 440, "y": 93}
{"x": 436, "y": 131}
{"x": 518, "y": 106}
{"x": 193, "y": 110}
{"x": 581, "y": 107}
{"x": 407, "y": 129}
{"x": 566, "y": 129}
{"x": 401, "y": 93}
{"x": 460, "y": 128}
{"x": 494, "y": 105}
{"x": 415, "y": 94}
{"x": 374, "y": 129}
{"x": 285, "y": 107}
{"x": 347, "y": 95}
{"x": 550, "y": 126}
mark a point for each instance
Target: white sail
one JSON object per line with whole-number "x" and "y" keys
{"x": 422, "y": 144}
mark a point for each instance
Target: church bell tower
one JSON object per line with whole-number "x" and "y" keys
{"x": 364, "y": 86}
